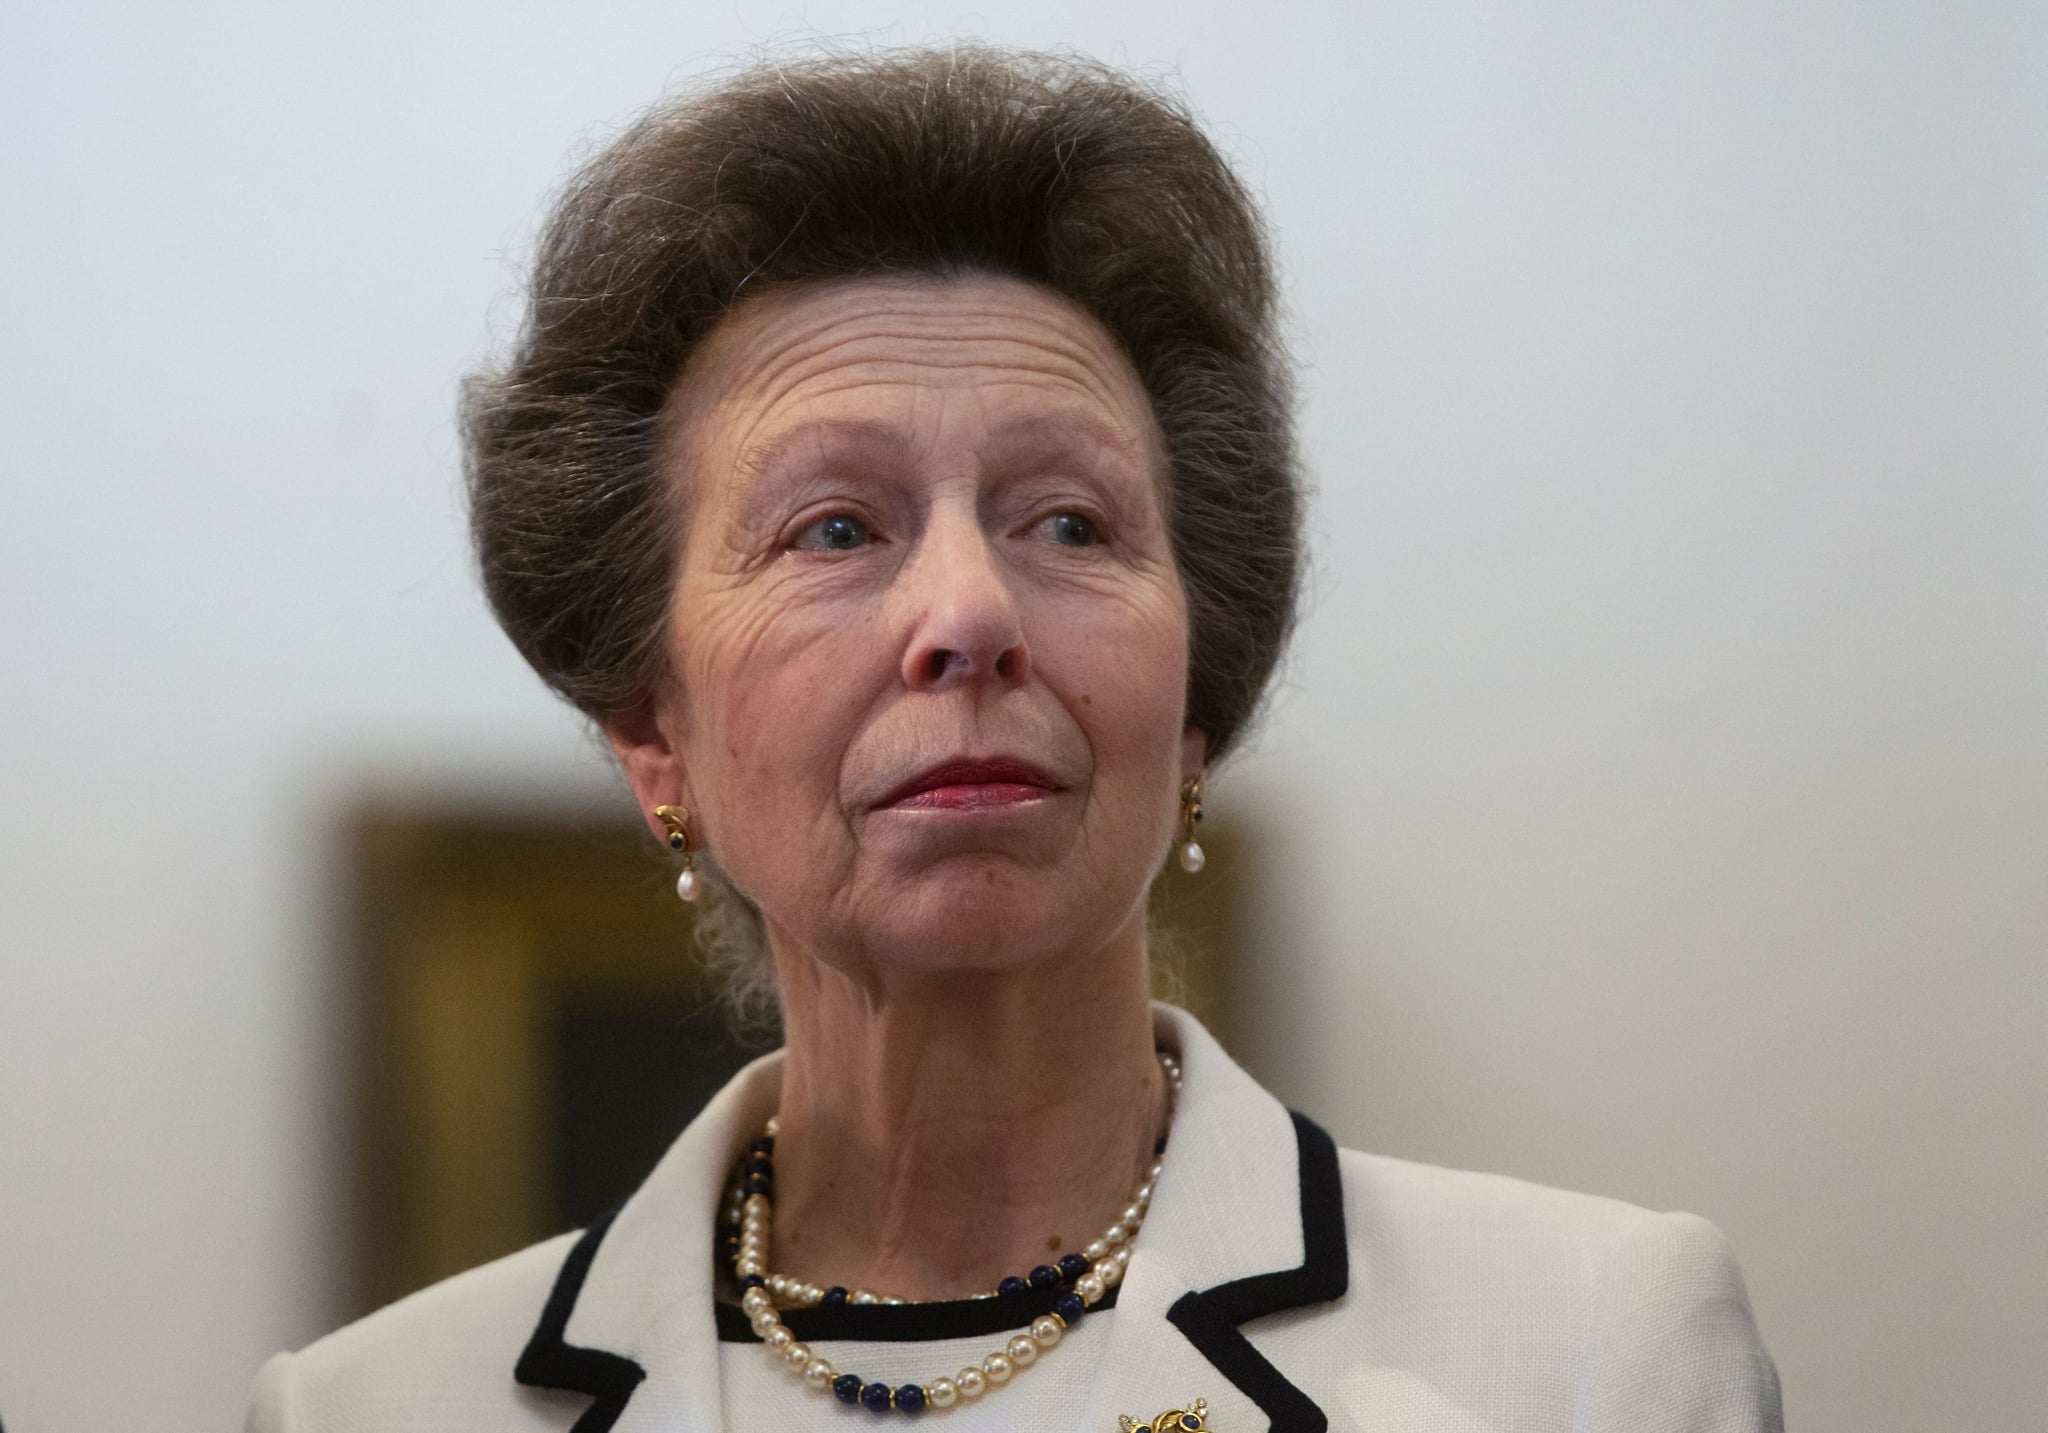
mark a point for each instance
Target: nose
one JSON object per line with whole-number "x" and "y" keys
{"x": 966, "y": 628}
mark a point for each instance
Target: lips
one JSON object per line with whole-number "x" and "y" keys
{"x": 962, "y": 784}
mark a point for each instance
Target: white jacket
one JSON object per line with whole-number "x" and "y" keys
{"x": 1292, "y": 1285}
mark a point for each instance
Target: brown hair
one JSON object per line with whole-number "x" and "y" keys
{"x": 1053, "y": 169}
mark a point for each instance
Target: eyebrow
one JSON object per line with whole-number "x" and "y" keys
{"x": 778, "y": 449}
{"x": 1065, "y": 430}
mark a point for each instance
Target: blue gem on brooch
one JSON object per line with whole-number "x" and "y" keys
{"x": 1192, "y": 1419}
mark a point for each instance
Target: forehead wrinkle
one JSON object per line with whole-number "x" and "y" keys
{"x": 793, "y": 335}
{"x": 1056, "y": 381}
{"x": 814, "y": 372}
{"x": 793, "y": 354}
{"x": 1054, "y": 385}
{"x": 1082, "y": 428}
{"x": 1047, "y": 310}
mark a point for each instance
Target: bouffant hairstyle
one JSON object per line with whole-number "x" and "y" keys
{"x": 1051, "y": 169}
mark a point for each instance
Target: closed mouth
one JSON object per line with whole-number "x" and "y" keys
{"x": 974, "y": 782}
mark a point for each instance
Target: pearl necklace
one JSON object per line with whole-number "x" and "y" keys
{"x": 1090, "y": 1275}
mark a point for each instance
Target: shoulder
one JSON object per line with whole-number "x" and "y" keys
{"x": 1437, "y": 1227}
{"x": 1617, "y": 1316}
{"x": 423, "y": 1361}
{"x": 1412, "y": 1213}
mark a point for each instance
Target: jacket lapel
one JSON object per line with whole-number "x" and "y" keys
{"x": 551, "y": 1361}
{"x": 1210, "y": 1317}
{"x": 1247, "y": 1220}
{"x": 629, "y": 1321}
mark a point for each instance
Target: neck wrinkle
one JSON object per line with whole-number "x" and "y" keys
{"x": 943, "y": 1132}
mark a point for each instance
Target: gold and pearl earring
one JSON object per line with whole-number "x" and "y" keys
{"x": 1190, "y": 852}
{"x": 677, "y": 820}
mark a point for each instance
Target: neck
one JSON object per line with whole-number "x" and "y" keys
{"x": 939, "y": 1131}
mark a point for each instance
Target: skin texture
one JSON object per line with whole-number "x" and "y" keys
{"x": 925, "y": 522}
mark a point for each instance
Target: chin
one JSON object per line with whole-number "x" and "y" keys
{"x": 985, "y": 914}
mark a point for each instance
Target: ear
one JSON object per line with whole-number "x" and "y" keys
{"x": 649, "y": 754}
{"x": 1194, "y": 750}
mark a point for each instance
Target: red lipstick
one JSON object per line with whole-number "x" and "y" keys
{"x": 972, "y": 784}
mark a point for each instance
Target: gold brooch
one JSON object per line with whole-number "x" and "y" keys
{"x": 1191, "y": 1419}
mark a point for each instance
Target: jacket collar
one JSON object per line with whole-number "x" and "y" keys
{"x": 1247, "y": 1220}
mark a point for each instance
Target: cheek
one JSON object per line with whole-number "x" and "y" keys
{"x": 1126, "y": 669}
{"x": 776, "y": 702}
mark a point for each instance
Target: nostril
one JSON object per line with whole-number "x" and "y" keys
{"x": 935, "y": 665}
{"x": 1006, "y": 664}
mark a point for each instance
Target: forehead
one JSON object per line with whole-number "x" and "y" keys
{"x": 907, "y": 352}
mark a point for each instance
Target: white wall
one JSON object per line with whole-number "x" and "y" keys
{"x": 1659, "y": 803}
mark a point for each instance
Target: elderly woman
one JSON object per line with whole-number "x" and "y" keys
{"x": 895, "y": 464}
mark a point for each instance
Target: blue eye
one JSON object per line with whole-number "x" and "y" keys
{"x": 838, "y": 533}
{"x": 1071, "y": 529}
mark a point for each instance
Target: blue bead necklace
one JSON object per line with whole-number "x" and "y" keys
{"x": 1086, "y": 1277}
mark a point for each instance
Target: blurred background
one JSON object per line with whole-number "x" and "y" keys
{"x": 1656, "y": 802}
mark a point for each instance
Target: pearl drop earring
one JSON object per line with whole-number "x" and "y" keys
{"x": 1191, "y": 857}
{"x": 677, "y": 819}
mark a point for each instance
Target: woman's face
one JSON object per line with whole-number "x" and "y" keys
{"x": 929, "y": 641}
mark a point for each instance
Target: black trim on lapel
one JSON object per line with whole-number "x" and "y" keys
{"x": 551, "y": 1362}
{"x": 1209, "y": 1318}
